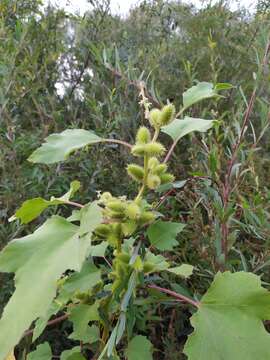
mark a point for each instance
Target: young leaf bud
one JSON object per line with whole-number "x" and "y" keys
{"x": 138, "y": 150}
{"x": 153, "y": 181}
{"x": 160, "y": 169}
{"x": 143, "y": 135}
{"x": 136, "y": 172}
{"x": 155, "y": 118}
{"x": 153, "y": 162}
{"x": 133, "y": 211}
{"x": 166, "y": 178}
{"x": 154, "y": 148}
{"x": 167, "y": 114}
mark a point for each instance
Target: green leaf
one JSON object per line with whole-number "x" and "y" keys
{"x": 179, "y": 128}
{"x": 82, "y": 281}
{"x": 99, "y": 250}
{"x": 38, "y": 260}
{"x": 162, "y": 234}
{"x": 228, "y": 324}
{"x": 42, "y": 352}
{"x": 91, "y": 217}
{"x": 158, "y": 261}
{"x": 80, "y": 317}
{"x": 58, "y": 146}
{"x": 41, "y": 322}
{"x": 175, "y": 185}
{"x": 74, "y": 187}
{"x": 140, "y": 348}
{"x": 75, "y": 216}
{"x": 32, "y": 208}
{"x": 223, "y": 86}
{"x": 203, "y": 90}
{"x": 72, "y": 354}
{"x": 184, "y": 270}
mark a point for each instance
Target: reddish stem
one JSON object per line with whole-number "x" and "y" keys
{"x": 169, "y": 153}
{"x": 177, "y": 296}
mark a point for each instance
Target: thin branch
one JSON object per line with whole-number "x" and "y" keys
{"x": 177, "y": 296}
{"x": 73, "y": 203}
{"x": 49, "y": 323}
{"x": 169, "y": 153}
{"x": 116, "y": 141}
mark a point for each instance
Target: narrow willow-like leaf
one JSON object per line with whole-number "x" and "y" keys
{"x": 229, "y": 322}
{"x": 58, "y": 146}
{"x": 37, "y": 260}
{"x": 179, "y": 128}
{"x": 201, "y": 91}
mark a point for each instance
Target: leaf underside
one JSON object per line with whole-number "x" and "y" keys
{"x": 203, "y": 90}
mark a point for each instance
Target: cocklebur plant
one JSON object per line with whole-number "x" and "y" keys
{"x": 95, "y": 264}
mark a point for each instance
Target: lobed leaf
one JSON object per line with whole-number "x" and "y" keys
{"x": 58, "y": 146}
{"x": 82, "y": 281}
{"x": 162, "y": 234}
{"x": 229, "y": 322}
{"x": 38, "y": 260}
{"x": 80, "y": 317}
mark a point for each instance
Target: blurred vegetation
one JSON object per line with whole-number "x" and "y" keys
{"x": 60, "y": 71}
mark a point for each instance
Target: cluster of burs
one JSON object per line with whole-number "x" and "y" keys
{"x": 122, "y": 216}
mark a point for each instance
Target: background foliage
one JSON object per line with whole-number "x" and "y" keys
{"x": 61, "y": 71}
